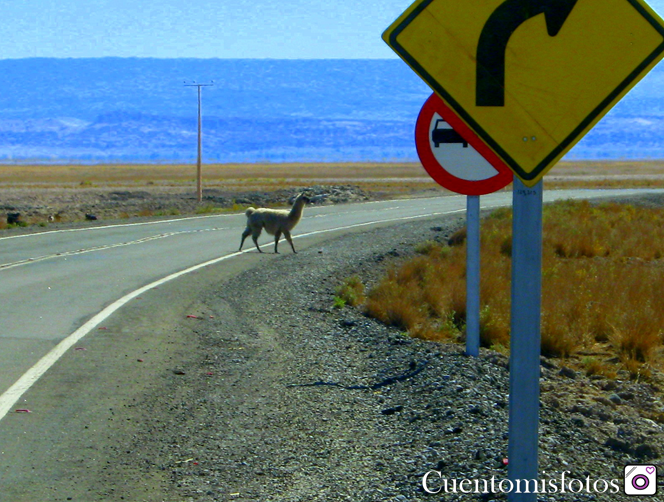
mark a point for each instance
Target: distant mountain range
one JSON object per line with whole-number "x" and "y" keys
{"x": 137, "y": 110}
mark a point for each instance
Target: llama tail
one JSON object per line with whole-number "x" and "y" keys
{"x": 249, "y": 211}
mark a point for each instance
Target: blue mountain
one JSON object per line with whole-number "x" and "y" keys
{"x": 129, "y": 109}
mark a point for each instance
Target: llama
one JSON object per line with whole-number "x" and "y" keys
{"x": 274, "y": 221}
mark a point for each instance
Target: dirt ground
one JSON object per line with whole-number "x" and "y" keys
{"x": 45, "y": 195}
{"x": 69, "y": 194}
{"x": 277, "y": 396}
{"x": 282, "y": 397}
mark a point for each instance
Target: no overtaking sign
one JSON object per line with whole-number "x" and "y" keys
{"x": 529, "y": 77}
{"x": 444, "y": 150}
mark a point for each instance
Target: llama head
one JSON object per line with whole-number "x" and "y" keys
{"x": 300, "y": 197}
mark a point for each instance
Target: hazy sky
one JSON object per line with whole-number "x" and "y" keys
{"x": 197, "y": 28}
{"x": 200, "y": 28}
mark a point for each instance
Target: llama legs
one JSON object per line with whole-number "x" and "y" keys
{"x": 290, "y": 240}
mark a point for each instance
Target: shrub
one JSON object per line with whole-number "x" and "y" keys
{"x": 602, "y": 276}
{"x": 557, "y": 340}
{"x": 427, "y": 247}
{"x": 338, "y": 303}
{"x": 595, "y": 367}
{"x": 458, "y": 238}
{"x": 351, "y": 291}
{"x": 206, "y": 209}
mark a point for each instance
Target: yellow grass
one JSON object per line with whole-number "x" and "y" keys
{"x": 214, "y": 173}
{"x": 382, "y": 179}
{"x": 606, "y": 174}
{"x": 391, "y": 176}
{"x": 602, "y": 279}
{"x": 607, "y": 168}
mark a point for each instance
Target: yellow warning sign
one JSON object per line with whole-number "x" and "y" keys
{"x": 530, "y": 77}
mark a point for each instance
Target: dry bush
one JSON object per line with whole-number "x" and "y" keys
{"x": 637, "y": 370}
{"x": 427, "y": 247}
{"x": 557, "y": 340}
{"x": 351, "y": 291}
{"x": 458, "y": 237}
{"x": 389, "y": 303}
{"x": 581, "y": 229}
{"x": 637, "y": 339}
{"x": 414, "y": 296}
{"x": 602, "y": 274}
{"x": 593, "y": 366}
{"x": 494, "y": 328}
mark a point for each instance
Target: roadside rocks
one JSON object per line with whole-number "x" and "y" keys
{"x": 74, "y": 204}
{"x": 13, "y": 218}
{"x": 318, "y": 194}
{"x": 308, "y": 402}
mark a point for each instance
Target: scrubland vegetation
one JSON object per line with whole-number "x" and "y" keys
{"x": 397, "y": 176}
{"x": 391, "y": 176}
{"x": 64, "y": 193}
{"x": 603, "y": 279}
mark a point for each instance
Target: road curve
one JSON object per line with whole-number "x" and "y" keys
{"x": 56, "y": 286}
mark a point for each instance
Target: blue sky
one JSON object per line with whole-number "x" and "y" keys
{"x": 300, "y": 29}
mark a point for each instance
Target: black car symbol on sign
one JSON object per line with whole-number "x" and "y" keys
{"x": 446, "y": 135}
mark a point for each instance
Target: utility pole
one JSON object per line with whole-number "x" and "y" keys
{"x": 199, "y": 169}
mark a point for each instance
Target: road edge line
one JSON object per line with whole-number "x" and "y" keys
{"x": 12, "y": 395}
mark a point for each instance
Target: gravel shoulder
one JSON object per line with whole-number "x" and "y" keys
{"x": 84, "y": 205}
{"x": 252, "y": 387}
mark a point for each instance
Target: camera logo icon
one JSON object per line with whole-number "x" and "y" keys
{"x": 640, "y": 480}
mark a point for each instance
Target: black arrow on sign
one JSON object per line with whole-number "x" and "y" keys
{"x": 496, "y": 33}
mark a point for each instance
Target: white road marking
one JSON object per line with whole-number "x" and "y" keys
{"x": 142, "y": 240}
{"x": 14, "y": 393}
{"x": 103, "y": 227}
{"x": 158, "y": 222}
{"x": 11, "y": 396}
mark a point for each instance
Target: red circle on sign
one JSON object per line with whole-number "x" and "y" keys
{"x": 442, "y": 176}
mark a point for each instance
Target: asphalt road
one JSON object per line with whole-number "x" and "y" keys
{"x": 57, "y": 286}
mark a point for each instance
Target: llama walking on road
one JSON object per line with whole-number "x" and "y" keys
{"x": 274, "y": 221}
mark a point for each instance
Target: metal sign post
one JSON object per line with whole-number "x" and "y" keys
{"x": 446, "y": 155}
{"x": 473, "y": 275}
{"x": 529, "y": 79}
{"x": 525, "y": 337}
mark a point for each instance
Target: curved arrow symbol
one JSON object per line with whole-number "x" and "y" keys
{"x": 496, "y": 34}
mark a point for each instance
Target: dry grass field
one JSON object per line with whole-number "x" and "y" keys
{"x": 240, "y": 176}
{"x": 111, "y": 191}
{"x": 602, "y": 279}
{"x": 67, "y": 192}
{"x": 594, "y": 319}
{"x": 568, "y": 173}
{"x": 606, "y": 174}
